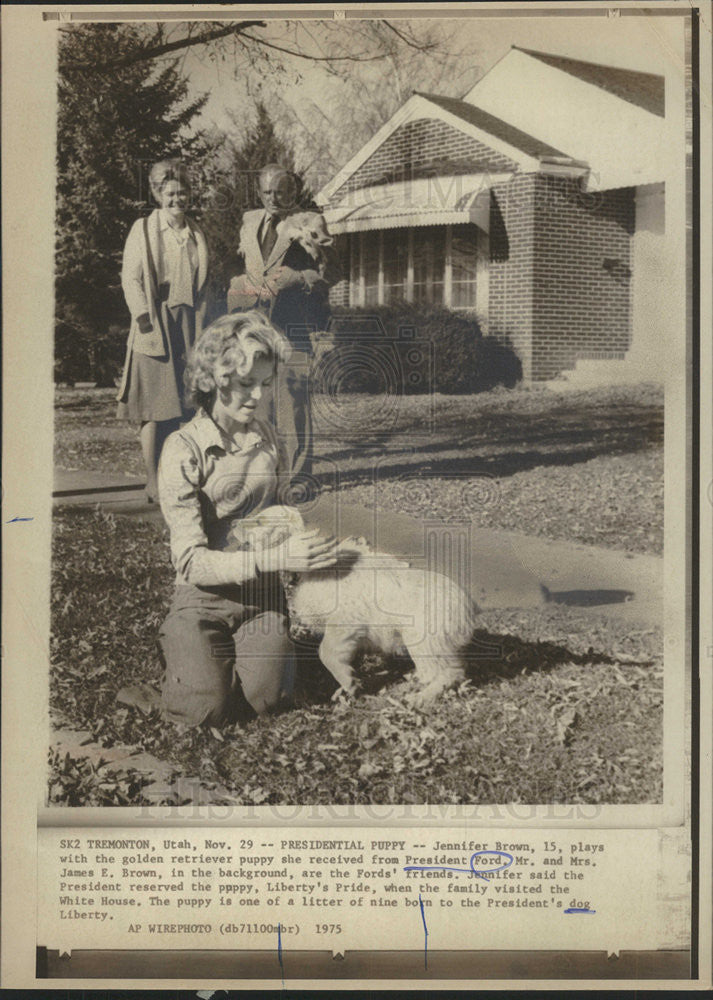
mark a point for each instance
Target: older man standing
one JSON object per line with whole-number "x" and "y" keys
{"x": 292, "y": 287}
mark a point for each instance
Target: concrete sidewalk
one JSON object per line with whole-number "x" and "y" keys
{"x": 505, "y": 568}
{"x": 85, "y": 489}
{"x": 501, "y": 569}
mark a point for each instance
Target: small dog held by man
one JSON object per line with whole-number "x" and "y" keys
{"x": 374, "y": 600}
{"x": 310, "y": 231}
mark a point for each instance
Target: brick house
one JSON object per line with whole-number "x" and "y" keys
{"x": 535, "y": 202}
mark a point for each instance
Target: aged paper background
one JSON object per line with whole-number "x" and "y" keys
{"x": 29, "y": 109}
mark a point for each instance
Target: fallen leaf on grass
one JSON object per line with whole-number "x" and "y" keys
{"x": 565, "y": 723}
{"x": 368, "y": 770}
{"x": 609, "y": 708}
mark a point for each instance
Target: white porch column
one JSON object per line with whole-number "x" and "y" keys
{"x": 409, "y": 267}
{"x": 482, "y": 278}
{"x": 362, "y": 293}
{"x": 380, "y": 277}
{"x": 448, "y": 272}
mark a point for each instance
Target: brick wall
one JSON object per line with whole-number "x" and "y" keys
{"x": 582, "y": 275}
{"x": 425, "y": 147}
{"x": 511, "y": 274}
{"x": 560, "y": 272}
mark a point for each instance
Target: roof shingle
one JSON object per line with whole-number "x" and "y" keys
{"x": 493, "y": 126}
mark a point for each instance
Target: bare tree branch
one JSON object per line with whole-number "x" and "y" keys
{"x": 410, "y": 41}
{"x": 154, "y": 51}
{"x": 305, "y": 55}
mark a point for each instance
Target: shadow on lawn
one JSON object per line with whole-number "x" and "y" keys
{"x": 489, "y": 658}
{"x": 496, "y": 466}
{"x": 563, "y": 436}
{"x": 493, "y": 658}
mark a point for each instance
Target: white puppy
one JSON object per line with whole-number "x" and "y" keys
{"x": 374, "y": 599}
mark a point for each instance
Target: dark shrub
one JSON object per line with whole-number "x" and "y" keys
{"x": 70, "y": 355}
{"x": 497, "y": 364}
{"x": 84, "y": 357}
{"x": 409, "y": 348}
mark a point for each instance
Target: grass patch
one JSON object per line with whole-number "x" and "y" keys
{"x": 615, "y": 501}
{"x": 583, "y": 466}
{"x": 569, "y": 709}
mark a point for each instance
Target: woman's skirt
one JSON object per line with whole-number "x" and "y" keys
{"x": 154, "y": 386}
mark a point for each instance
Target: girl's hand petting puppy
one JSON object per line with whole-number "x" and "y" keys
{"x": 301, "y": 552}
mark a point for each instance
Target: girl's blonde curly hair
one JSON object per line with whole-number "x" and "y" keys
{"x": 228, "y": 345}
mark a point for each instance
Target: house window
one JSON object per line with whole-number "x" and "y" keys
{"x": 370, "y": 253}
{"x": 464, "y": 261}
{"x": 433, "y": 265}
{"x": 394, "y": 252}
{"x": 429, "y": 255}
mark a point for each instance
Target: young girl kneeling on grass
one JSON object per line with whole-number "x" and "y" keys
{"x": 225, "y": 643}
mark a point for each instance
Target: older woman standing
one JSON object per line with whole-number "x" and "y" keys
{"x": 163, "y": 276}
{"x": 225, "y": 644}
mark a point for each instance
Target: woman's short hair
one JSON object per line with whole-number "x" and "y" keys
{"x": 163, "y": 172}
{"x": 230, "y": 344}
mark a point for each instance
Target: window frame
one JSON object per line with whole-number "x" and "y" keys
{"x": 358, "y": 259}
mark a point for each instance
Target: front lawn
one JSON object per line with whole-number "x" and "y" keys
{"x": 567, "y": 708}
{"x": 582, "y": 466}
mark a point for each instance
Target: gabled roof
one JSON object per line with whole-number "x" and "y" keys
{"x": 646, "y": 90}
{"x": 493, "y": 126}
{"x": 524, "y": 150}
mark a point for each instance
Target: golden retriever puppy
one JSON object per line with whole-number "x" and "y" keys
{"x": 376, "y": 600}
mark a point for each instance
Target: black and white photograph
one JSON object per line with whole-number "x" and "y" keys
{"x": 363, "y": 330}
{"x": 357, "y": 495}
